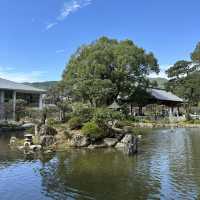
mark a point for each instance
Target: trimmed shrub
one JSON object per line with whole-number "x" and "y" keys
{"x": 92, "y": 130}
{"x": 83, "y": 111}
{"x": 75, "y": 123}
{"x": 105, "y": 117}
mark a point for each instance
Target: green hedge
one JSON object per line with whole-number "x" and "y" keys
{"x": 75, "y": 123}
{"x": 91, "y": 129}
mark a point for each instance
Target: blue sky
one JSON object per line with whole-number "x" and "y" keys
{"x": 37, "y": 37}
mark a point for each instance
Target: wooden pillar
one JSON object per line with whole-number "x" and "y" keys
{"x": 14, "y": 105}
{"x": 2, "y": 101}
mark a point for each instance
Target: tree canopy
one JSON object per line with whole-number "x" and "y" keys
{"x": 106, "y": 68}
{"x": 195, "y": 55}
{"x": 185, "y": 78}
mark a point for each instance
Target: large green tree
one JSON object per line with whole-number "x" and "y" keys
{"x": 195, "y": 55}
{"x": 185, "y": 78}
{"x": 106, "y": 68}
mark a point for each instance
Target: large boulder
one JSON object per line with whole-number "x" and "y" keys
{"x": 47, "y": 135}
{"x": 110, "y": 142}
{"x": 127, "y": 139}
{"x": 79, "y": 140}
{"x": 28, "y": 125}
{"x": 47, "y": 140}
{"x": 120, "y": 145}
{"x": 47, "y": 130}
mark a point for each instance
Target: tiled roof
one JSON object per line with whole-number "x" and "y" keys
{"x": 164, "y": 95}
{"x": 10, "y": 85}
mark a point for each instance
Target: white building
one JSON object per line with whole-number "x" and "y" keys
{"x": 10, "y": 90}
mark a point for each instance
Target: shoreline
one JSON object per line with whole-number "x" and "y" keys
{"x": 161, "y": 125}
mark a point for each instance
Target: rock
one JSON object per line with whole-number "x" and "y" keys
{"x": 35, "y": 147}
{"x": 127, "y": 138}
{"x": 119, "y": 136}
{"x": 120, "y": 145}
{"x": 47, "y": 130}
{"x": 139, "y": 137}
{"x": 79, "y": 141}
{"x": 20, "y": 148}
{"x": 47, "y": 140}
{"x": 28, "y": 125}
{"x": 13, "y": 141}
{"x": 48, "y": 151}
{"x": 110, "y": 142}
{"x": 47, "y": 135}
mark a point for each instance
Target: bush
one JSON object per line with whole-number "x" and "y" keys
{"x": 75, "y": 123}
{"x": 68, "y": 116}
{"x": 92, "y": 130}
{"x": 122, "y": 124}
{"x": 83, "y": 111}
{"x": 105, "y": 117}
{"x": 52, "y": 122}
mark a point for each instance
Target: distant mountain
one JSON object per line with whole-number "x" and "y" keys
{"x": 48, "y": 84}
{"x": 42, "y": 85}
{"x": 161, "y": 82}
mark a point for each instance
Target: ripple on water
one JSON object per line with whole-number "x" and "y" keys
{"x": 167, "y": 167}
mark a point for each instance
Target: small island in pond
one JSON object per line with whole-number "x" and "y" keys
{"x": 105, "y": 94}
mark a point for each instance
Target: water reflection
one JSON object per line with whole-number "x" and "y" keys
{"x": 167, "y": 167}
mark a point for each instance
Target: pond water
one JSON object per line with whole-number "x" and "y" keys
{"x": 167, "y": 167}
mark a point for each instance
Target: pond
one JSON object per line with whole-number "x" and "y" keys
{"x": 167, "y": 167}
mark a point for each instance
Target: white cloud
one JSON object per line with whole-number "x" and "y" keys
{"x": 71, "y": 7}
{"x": 162, "y": 73}
{"x": 67, "y": 9}
{"x": 11, "y": 74}
{"x": 51, "y": 25}
{"x": 60, "y": 50}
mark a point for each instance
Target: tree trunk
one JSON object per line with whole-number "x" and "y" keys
{"x": 131, "y": 109}
{"x": 140, "y": 111}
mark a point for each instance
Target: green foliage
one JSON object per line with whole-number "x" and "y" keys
{"x": 179, "y": 69}
{"x": 125, "y": 109}
{"x": 161, "y": 82}
{"x": 92, "y": 130}
{"x": 123, "y": 123}
{"x": 75, "y": 123}
{"x": 99, "y": 72}
{"x": 67, "y": 134}
{"x": 105, "y": 117}
{"x": 185, "y": 78}
{"x": 187, "y": 87}
{"x": 20, "y": 108}
{"x": 33, "y": 114}
{"x": 195, "y": 55}
{"x": 192, "y": 121}
{"x": 83, "y": 111}
{"x": 51, "y": 122}
{"x": 48, "y": 112}
{"x": 140, "y": 97}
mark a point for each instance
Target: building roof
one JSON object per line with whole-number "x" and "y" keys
{"x": 164, "y": 95}
{"x": 10, "y": 85}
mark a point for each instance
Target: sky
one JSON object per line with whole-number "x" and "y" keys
{"x": 37, "y": 37}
